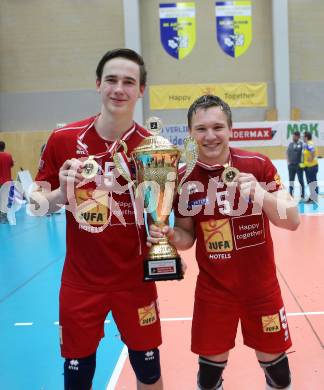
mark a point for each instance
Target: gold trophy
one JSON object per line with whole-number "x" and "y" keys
{"x": 156, "y": 161}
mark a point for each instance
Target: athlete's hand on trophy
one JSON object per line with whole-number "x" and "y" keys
{"x": 158, "y": 232}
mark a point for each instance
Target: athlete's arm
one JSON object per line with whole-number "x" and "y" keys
{"x": 279, "y": 206}
{"x": 182, "y": 236}
{"x": 51, "y": 201}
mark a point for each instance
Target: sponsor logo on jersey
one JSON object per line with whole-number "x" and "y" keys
{"x": 248, "y": 231}
{"x": 81, "y": 150}
{"x": 271, "y": 323}
{"x": 147, "y": 315}
{"x": 92, "y": 206}
{"x": 217, "y": 235}
{"x": 197, "y": 202}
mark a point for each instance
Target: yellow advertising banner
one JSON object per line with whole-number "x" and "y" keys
{"x": 171, "y": 97}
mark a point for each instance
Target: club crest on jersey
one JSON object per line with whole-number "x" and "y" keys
{"x": 277, "y": 180}
{"x": 192, "y": 188}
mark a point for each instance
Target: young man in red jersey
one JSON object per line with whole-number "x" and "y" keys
{"x": 103, "y": 269}
{"x": 225, "y": 206}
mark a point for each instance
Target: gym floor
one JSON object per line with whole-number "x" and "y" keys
{"x": 32, "y": 256}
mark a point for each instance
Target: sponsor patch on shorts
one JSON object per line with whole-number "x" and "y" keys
{"x": 147, "y": 315}
{"x": 271, "y": 324}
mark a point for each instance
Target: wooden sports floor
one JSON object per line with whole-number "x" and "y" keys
{"x": 31, "y": 259}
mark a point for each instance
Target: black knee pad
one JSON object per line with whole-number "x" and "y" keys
{"x": 277, "y": 372}
{"x": 210, "y": 374}
{"x": 78, "y": 373}
{"x": 146, "y": 365}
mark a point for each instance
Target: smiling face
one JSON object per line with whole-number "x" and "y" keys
{"x": 120, "y": 86}
{"x": 210, "y": 128}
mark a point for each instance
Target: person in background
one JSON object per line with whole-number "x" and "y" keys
{"x": 225, "y": 206}
{"x": 6, "y": 163}
{"x": 294, "y": 159}
{"x": 310, "y": 164}
{"x": 103, "y": 269}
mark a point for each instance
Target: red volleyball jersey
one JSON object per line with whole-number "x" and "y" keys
{"x": 234, "y": 248}
{"x": 6, "y": 163}
{"x": 105, "y": 241}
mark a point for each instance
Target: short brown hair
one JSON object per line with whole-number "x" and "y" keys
{"x": 128, "y": 54}
{"x": 207, "y": 101}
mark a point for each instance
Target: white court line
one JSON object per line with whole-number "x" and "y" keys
{"x": 117, "y": 370}
{"x": 176, "y": 319}
{"x": 305, "y": 313}
{"x": 23, "y": 323}
{"x": 172, "y": 319}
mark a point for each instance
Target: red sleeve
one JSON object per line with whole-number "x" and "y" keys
{"x": 48, "y": 169}
{"x": 270, "y": 176}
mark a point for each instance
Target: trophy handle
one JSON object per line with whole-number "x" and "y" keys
{"x": 190, "y": 156}
{"x": 119, "y": 161}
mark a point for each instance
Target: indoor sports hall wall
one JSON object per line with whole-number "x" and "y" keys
{"x": 25, "y": 147}
{"x": 49, "y": 51}
{"x": 207, "y": 63}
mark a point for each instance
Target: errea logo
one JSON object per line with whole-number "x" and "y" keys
{"x": 149, "y": 355}
{"x": 74, "y": 365}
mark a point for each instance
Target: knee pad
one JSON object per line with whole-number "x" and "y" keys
{"x": 210, "y": 374}
{"x": 277, "y": 372}
{"x": 78, "y": 373}
{"x": 146, "y": 365}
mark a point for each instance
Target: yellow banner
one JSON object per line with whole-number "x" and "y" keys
{"x": 170, "y": 97}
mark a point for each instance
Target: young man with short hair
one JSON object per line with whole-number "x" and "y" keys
{"x": 103, "y": 269}
{"x": 225, "y": 206}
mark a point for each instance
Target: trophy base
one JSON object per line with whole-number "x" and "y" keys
{"x": 166, "y": 269}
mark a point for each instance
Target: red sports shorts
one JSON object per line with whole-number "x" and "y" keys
{"x": 264, "y": 325}
{"x": 83, "y": 312}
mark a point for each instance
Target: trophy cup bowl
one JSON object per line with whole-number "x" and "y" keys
{"x": 156, "y": 161}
